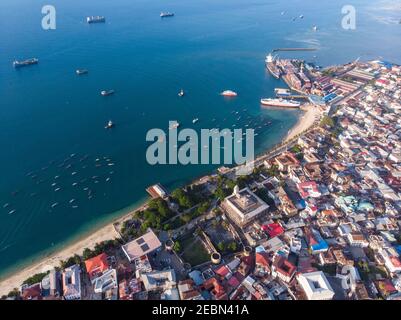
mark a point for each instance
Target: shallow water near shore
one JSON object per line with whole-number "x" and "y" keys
{"x": 64, "y": 175}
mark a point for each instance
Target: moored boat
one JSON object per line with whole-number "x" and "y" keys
{"x": 109, "y": 125}
{"x": 283, "y": 103}
{"x": 81, "y": 71}
{"x": 229, "y": 93}
{"x": 107, "y": 92}
{"x": 95, "y": 19}
{"x": 166, "y": 14}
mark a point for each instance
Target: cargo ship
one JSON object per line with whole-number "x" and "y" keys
{"x": 272, "y": 67}
{"x": 166, "y": 14}
{"x": 95, "y": 19}
{"x": 24, "y": 63}
{"x": 283, "y": 103}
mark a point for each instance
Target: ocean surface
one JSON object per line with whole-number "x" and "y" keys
{"x": 63, "y": 174}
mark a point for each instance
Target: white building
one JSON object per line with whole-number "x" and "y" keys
{"x": 315, "y": 286}
{"x": 243, "y": 206}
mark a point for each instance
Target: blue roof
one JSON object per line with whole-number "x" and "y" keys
{"x": 398, "y": 249}
{"x": 196, "y": 276}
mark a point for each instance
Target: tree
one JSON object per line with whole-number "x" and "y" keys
{"x": 221, "y": 246}
{"x": 327, "y": 121}
{"x": 232, "y": 246}
{"x": 177, "y": 247}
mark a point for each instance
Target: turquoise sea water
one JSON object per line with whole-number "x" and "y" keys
{"x": 52, "y": 121}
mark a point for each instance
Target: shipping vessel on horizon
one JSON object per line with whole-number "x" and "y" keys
{"x": 95, "y": 19}
{"x": 24, "y": 63}
{"x": 166, "y": 14}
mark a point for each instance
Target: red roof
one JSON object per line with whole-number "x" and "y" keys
{"x": 222, "y": 271}
{"x": 262, "y": 259}
{"x": 233, "y": 282}
{"x": 284, "y": 266}
{"x": 273, "y": 229}
{"x": 96, "y": 265}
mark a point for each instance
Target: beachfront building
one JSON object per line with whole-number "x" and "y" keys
{"x": 106, "y": 284}
{"x": 96, "y": 266}
{"x": 315, "y": 286}
{"x": 243, "y": 206}
{"x": 72, "y": 283}
{"x": 142, "y": 246}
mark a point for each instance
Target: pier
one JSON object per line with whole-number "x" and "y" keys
{"x": 293, "y": 49}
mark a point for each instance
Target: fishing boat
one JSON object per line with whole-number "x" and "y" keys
{"x": 229, "y": 93}
{"x": 81, "y": 71}
{"x": 181, "y": 93}
{"x": 107, "y": 92}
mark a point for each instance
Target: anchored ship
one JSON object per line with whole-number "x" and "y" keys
{"x": 24, "y": 63}
{"x": 271, "y": 66}
{"x": 81, "y": 71}
{"x": 166, "y": 14}
{"x": 95, "y": 19}
{"x": 106, "y": 93}
{"x": 280, "y": 103}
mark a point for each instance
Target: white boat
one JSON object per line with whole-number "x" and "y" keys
{"x": 81, "y": 71}
{"x": 54, "y": 204}
{"x": 195, "y": 120}
{"x": 109, "y": 125}
{"x": 315, "y": 28}
{"x": 106, "y": 92}
{"x": 280, "y": 103}
{"x": 12, "y": 211}
{"x": 301, "y": 16}
{"x": 181, "y": 93}
{"x": 229, "y": 93}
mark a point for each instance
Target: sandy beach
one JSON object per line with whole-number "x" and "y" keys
{"x": 108, "y": 232}
{"x": 311, "y": 113}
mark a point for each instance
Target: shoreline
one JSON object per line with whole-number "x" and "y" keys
{"x": 305, "y": 121}
{"x": 108, "y": 232}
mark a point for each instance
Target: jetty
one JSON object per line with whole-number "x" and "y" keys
{"x": 293, "y": 49}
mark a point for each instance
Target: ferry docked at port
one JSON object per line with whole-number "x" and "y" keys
{"x": 272, "y": 67}
{"x": 283, "y": 103}
{"x": 95, "y": 19}
{"x": 24, "y": 63}
{"x": 229, "y": 93}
